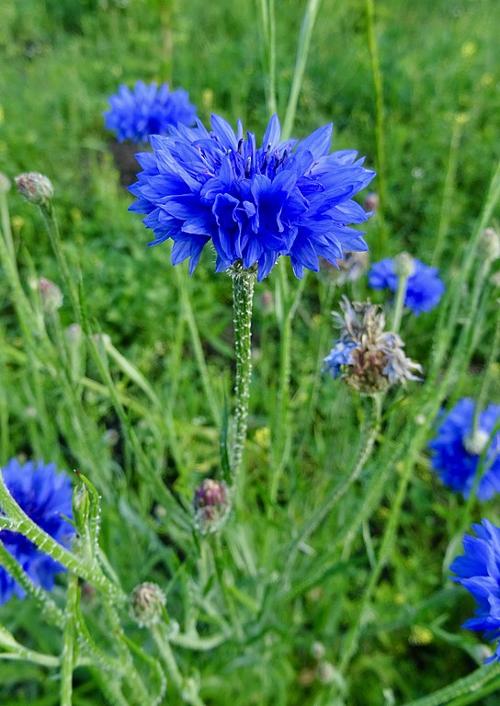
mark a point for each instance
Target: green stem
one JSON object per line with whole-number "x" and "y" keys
{"x": 379, "y": 116}
{"x": 282, "y": 443}
{"x": 338, "y": 492}
{"x": 243, "y": 287}
{"x": 49, "y": 609}
{"x": 199, "y": 355}
{"x": 448, "y": 191}
{"x": 25, "y": 526}
{"x": 68, "y": 653}
{"x": 399, "y": 304}
{"x": 56, "y": 243}
{"x": 306, "y": 29}
{"x": 187, "y": 689}
{"x": 462, "y": 687}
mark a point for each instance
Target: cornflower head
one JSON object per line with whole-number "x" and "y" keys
{"x": 478, "y": 570}
{"x": 457, "y": 449}
{"x": 147, "y": 603}
{"x": 45, "y": 496}
{"x": 424, "y": 287}
{"x": 147, "y": 109}
{"x": 369, "y": 358}
{"x": 35, "y": 187}
{"x": 252, "y": 203}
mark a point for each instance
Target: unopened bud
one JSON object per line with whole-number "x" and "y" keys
{"x": 147, "y": 603}
{"x": 35, "y": 187}
{"x": 476, "y": 443}
{"x": 211, "y": 505}
{"x": 4, "y": 183}
{"x": 404, "y": 265}
{"x": 371, "y": 202}
{"x": 50, "y": 295}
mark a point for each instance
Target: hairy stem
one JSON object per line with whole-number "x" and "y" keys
{"x": 243, "y": 287}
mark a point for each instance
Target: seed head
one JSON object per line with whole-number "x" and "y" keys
{"x": 211, "y": 505}
{"x": 35, "y": 187}
{"x": 147, "y": 603}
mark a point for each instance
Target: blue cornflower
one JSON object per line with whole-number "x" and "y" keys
{"x": 147, "y": 110}
{"x": 457, "y": 450}
{"x": 424, "y": 287}
{"x": 253, "y": 203}
{"x": 479, "y": 572}
{"x": 45, "y": 496}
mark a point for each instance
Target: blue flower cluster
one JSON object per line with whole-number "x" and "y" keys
{"x": 478, "y": 570}
{"x": 253, "y": 203}
{"x": 456, "y": 450}
{"x": 45, "y": 496}
{"x": 147, "y": 110}
{"x": 424, "y": 287}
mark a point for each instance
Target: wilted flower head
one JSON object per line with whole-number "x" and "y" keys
{"x": 424, "y": 288}
{"x": 253, "y": 203}
{"x": 366, "y": 356}
{"x": 35, "y": 187}
{"x": 457, "y": 448}
{"x": 147, "y": 603}
{"x": 212, "y": 505}
{"x": 478, "y": 570}
{"x": 45, "y": 496}
{"x": 50, "y": 295}
{"x": 147, "y": 109}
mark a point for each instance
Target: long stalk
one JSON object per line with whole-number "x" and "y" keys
{"x": 306, "y": 30}
{"x": 379, "y": 117}
{"x": 243, "y": 288}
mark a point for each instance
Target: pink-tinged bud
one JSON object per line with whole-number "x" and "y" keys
{"x": 147, "y": 604}
{"x": 35, "y": 187}
{"x": 371, "y": 202}
{"x": 50, "y": 295}
{"x": 212, "y": 505}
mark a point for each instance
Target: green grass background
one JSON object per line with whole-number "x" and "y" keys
{"x": 60, "y": 59}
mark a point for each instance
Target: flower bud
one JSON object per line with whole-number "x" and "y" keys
{"x": 371, "y": 202}
{"x": 211, "y": 505}
{"x": 147, "y": 603}
{"x": 74, "y": 333}
{"x": 35, "y": 187}
{"x": 404, "y": 265}
{"x": 50, "y": 295}
{"x": 476, "y": 443}
{"x": 4, "y": 183}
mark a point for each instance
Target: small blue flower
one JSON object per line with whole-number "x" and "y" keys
{"x": 45, "y": 496}
{"x": 456, "y": 450}
{"x": 478, "y": 570}
{"x": 424, "y": 287}
{"x": 147, "y": 110}
{"x": 253, "y": 203}
{"x": 340, "y": 355}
